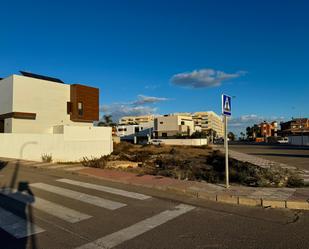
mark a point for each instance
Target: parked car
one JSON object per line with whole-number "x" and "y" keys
{"x": 156, "y": 142}
{"x": 283, "y": 140}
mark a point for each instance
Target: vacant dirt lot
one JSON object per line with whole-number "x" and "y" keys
{"x": 191, "y": 163}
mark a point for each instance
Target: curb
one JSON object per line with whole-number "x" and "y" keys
{"x": 221, "y": 198}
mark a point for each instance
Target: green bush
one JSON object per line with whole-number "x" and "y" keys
{"x": 47, "y": 158}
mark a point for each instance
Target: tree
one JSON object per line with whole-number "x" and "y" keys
{"x": 107, "y": 121}
{"x": 242, "y": 135}
{"x": 231, "y": 136}
{"x": 199, "y": 134}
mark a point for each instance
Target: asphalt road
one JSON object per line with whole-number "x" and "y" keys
{"x": 291, "y": 155}
{"x": 70, "y": 214}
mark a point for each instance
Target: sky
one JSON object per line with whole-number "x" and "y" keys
{"x": 160, "y": 57}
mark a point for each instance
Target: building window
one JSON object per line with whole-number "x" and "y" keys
{"x": 161, "y": 122}
{"x": 182, "y": 122}
{"x": 80, "y": 108}
{"x": 164, "y": 134}
{"x": 69, "y": 107}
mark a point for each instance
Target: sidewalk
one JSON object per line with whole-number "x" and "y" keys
{"x": 292, "y": 198}
{"x": 239, "y": 195}
{"x": 263, "y": 163}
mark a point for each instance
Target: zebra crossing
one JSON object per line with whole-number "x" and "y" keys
{"x": 19, "y": 226}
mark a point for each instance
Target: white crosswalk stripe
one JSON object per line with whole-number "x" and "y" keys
{"x": 106, "y": 189}
{"x": 17, "y": 226}
{"x": 51, "y": 208}
{"x": 137, "y": 229}
{"x": 90, "y": 199}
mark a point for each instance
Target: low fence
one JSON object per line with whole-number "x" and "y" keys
{"x": 72, "y": 145}
{"x": 299, "y": 140}
{"x": 192, "y": 142}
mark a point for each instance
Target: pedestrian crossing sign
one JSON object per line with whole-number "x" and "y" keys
{"x": 226, "y": 105}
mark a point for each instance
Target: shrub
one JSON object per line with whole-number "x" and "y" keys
{"x": 95, "y": 162}
{"x": 47, "y": 158}
{"x": 123, "y": 147}
{"x": 295, "y": 181}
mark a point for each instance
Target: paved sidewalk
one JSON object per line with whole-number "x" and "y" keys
{"x": 293, "y": 198}
{"x": 264, "y": 163}
{"x": 239, "y": 195}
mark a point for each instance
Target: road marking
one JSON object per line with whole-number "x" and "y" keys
{"x": 137, "y": 229}
{"x": 94, "y": 200}
{"x": 51, "y": 208}
{"x": 106, "y": 189}
{"x": 75, "y": 168}
{"x": 17, "y": 226}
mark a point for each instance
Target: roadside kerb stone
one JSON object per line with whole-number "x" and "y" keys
{"x": 304, "y": 205}
{"x": 274, "y": 203}
{"x": 227, "y": 199}
{"x": 249, "y": 201}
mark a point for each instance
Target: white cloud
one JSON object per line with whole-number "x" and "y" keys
{"x": 142, "y": 99}
{"x": 204, "y": 78}
{"x": 118, "y": 110}
{"x": 142, "y": 106}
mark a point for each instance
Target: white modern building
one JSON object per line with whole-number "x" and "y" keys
{"x": 173, "y": 125}
{"x": 127, "y": 130}
{"x": 50, "y": 114}
{"x": 136, "y": 120}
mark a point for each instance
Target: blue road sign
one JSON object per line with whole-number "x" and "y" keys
{"x": 226, "y": 105}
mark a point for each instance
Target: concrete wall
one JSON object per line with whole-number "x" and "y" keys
{"x": 6, "y": 95}
{"x": 47, "y": 99}
{"x": 299, "y": 140}
{"x": 6, "y": 101}
{"x": 193, "y": 142}
{"x": 74, "y": 144}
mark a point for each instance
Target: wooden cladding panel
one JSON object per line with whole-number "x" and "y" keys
{"x": 19, "y": 115}
{"x": 89, "y": 97}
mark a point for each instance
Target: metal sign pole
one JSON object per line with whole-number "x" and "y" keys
{"x": 227, "y": 185}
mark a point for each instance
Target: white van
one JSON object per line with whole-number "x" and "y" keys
{"x": 283, "y": 140}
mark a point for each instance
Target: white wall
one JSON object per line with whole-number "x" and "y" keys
{"x": 6, "y": 95}
{"x": 73, "y": 145}
{"x": 299, "y": 140}
{"x": 6, "y": 100}
{"x": 47, "y": 99}
{"x": 193, "y": 142}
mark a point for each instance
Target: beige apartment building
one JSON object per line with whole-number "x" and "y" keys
{"x": 209, "y": 121}
{"x": 173, "y": 125}
{"x": 136, "y": 120}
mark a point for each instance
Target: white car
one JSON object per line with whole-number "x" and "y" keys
{"x": 283, "y": 140}
{"x": 156, "y": 142}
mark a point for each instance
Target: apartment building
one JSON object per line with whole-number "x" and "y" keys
{"x": 209, "y": 121}
{"x": 295, "y": 126}
{"x": 173, "y": 125}
{"x": 136, "y": 120}
{"x": 268, "y": 129}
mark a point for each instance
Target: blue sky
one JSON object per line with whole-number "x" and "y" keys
{"x": 168, "y": 56}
